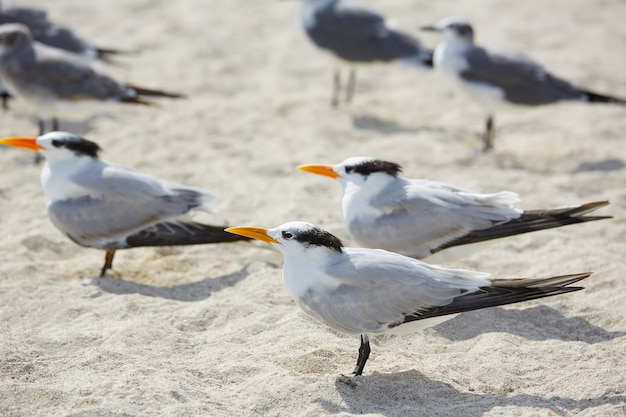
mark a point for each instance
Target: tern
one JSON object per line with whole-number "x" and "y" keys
{"x": 357, "y": 35}
{"x": 500, "y": 78}
{"x": 372, "y": 291}
{"x": 418, "y": 217}
{"x": 54, "y": 82}
{"x": 110, "y": 207}
{"x": 52, "y": 34}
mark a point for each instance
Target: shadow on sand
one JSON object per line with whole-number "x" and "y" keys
{"x": 535, "y": 323}
{"x": 417, "y": 395}
{"x": 386, "y": 127}
{"x": 195, "y": 291}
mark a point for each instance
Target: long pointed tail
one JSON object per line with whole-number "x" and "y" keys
{"x": 108, "y": 55}
{"x": 179, "y": 233}
{"x": 557, "y": 281}
{"x": 505, "y": 291}
{"x": 141, "y": 91}
{"x": 601, "y": 98}
{"x": 533, "y": 220}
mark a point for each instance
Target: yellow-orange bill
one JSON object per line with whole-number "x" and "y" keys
{"x": 259, "y": 233}
{"x": 325, "y": 170}
{"x": 29, "y": 143}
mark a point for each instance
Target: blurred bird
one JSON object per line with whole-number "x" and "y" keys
{"x": 356, "y": 35}
{"x": 418, "y": 217}
{"x": 372, "y": 291}
{"x": 497, "y": 78}
{"x": 110, "y": 207}
{"x": 51, "y": 34}
{"x": 55, "y": 82}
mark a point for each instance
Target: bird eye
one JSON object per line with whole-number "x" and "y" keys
{"x": 287, "y": 235}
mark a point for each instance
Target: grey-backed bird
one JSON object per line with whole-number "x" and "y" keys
{"x": 418, "y": 217}
{"x": 110, "y": 207}
{"x": 372, "y": 291}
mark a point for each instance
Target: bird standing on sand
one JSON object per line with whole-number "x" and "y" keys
{"x": 418, "y": 218}
{"x": 58, "y": 83}
{"x": 497, "y": 78}
{"x": 356, "y": 35}
{"x": 372, "y": 291}
{"x": 110, "y": 207}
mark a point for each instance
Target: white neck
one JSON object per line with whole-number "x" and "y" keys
{"x": 449, "y": 57}
{"x": 355, "y": 201}
{"x": 57, "y": 178}
{"x": 297, "y": 270}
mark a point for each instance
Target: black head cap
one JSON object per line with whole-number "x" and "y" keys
{"x": 80, "y": 146}
{"x": 309, "y": 234}
{"x": 374, "y": 165}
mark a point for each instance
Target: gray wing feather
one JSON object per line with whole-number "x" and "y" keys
{"x": 121, "y": 201}
{"x": 357, "y": 34}
{"x": 367, "y": 296}
{"x": 418, "y": 216}
{"x": 66, "y": 76}
{"x": 28, "y": 16}
{"x": 45, "y": 31}
{"x": 522, "y": 80}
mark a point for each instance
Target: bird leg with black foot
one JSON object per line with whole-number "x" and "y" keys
{"x": 364, "y": 354}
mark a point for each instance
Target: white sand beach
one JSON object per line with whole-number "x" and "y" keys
{"x": 210, "y": 330}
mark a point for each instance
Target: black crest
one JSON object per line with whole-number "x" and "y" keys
{"x": 79, "y": 146}
{"x": 319, "y": 237}
{"x": 463, "y": 29}
{"x": 375, "y": 165}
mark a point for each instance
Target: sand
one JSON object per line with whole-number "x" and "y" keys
{"x": 210, "y": 330}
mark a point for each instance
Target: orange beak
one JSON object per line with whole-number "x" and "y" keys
{"x": 325, "y": 170}
{"x": 22, "y": 142}
{"x": 258, "y": 233}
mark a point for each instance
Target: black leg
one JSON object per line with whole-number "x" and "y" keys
{"x": 5, "y": 100}
{"x": 489, "y": 134}
{"x": 108, "y": 262}
{"x": 351, "y": 85}
{"x": 334, "y": 101}
{"x": 42, "y": 126}
{"x": 55, "y": 124}
{"x": 364, "y": 353}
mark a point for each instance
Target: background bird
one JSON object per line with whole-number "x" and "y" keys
{"x": 53, "y": 34}
{"x": 56, "y": 83}
{"x": 110, "y": 207}
{"x": 418, "y": 217}
{"x": 370, "y": 291}
{"x": 357, "y": 35}
{"x": 496, "y": 78}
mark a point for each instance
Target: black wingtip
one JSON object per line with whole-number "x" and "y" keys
{"x": 427, "y": 59}
{"x": 532, "y": 221}
{"x": 602, "y": 98}
{"x": 109, "y": 55}
{"x": 498, "y": 295}
{"x": 147, "y": 92}
{"x": 182, "y": 234}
